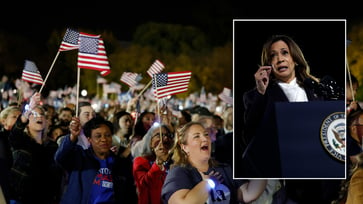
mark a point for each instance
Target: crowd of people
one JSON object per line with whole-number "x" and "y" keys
{"x": 118, "y": 154}
{"x": 146, "y": 151}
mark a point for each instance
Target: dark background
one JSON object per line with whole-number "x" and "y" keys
{"x": 322, "y": 43}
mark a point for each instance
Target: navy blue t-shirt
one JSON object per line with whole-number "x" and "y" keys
{"x": 188, "y": 177}
{"x": 102, "y": 186}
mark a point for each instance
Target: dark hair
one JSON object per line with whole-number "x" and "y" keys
{"x": 95, "y": 123}
{"x": 139, "y": 126}
{"x": 67, "y": 109}
{"x": 200, "y": 110}
{"x": 82, "y": 104}
{"x": 186, "y": 115}
{"x": 53, "y": 128}
{"x": 47, "y": 107}
{"x": 302, "y": 68}
{"x": 117, "y": 117}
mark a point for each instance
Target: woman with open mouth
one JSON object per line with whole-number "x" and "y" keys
{"x": 34, "y": 176}
{"x": 196, "y": 177}
{"x": 283, "y": 77}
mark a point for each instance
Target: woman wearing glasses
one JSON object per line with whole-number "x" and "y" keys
{"x": 34, "y": 177}
{"x": 150, "y": 169}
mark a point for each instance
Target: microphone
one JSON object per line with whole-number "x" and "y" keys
{"x": 326, "y": 88}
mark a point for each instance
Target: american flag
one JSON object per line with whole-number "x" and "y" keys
{"x": 170, "y": 83}
{"x": 155, "y": 68}
{"x": 131, "y": 79}
{"x": 226, "y": 96}
{"x": 92, "y": 54}
{"x": 31, "y": 73}
{"x": 70, "y": 40}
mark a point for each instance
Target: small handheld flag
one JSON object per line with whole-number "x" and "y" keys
{"x": 171, "y": 83}
{"x": 70, "y": 40}
{"x": 92, "y": 54}
{"x": 31, "y": 73}
{"x": 155, "y": 68}
{"x": 131, "y": 79}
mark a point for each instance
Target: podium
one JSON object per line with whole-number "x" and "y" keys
{"x": 311, "y": 139}
{"x": 299, "y": 140}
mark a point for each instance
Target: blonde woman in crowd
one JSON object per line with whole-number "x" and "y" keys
{"x": 34, "y": 176}
{"x": 196, "y": 178}
{"x": 8, "y": 117}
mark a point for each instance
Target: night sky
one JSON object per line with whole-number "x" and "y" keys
{"x": 122, "y": 19}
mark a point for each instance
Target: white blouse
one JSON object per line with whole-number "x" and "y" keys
{"x": 293, "y": 91}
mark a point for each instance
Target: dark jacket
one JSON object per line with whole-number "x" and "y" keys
{"x": 34, "y": 176}
{"x": 82, "y": 168}
{"x": 6, "y": 160}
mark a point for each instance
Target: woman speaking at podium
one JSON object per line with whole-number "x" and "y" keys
{"x": 283, "y": 77}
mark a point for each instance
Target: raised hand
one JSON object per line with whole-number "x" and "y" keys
{"x": 75, "y": 128}
{"x": 34, "y": 100}
{"x": 262, "y": 77}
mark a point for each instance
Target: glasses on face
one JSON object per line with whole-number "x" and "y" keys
{"x": 166, "y": 139}
{"x": 37, "y": 114}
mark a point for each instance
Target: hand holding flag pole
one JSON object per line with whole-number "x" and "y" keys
{"x": 158, "y": 111}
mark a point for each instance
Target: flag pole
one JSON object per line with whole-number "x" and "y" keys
{"x": 157, "y": 107}
{"x": 50, "y": 69}
{"x": 77, "y": 96}
{"x": 351, "y": 88}
{"x": 20, "y": 95}
{"x": 97, "y": 87}
{"x": 350, "y": 81}
{"x": 143, "y": 90}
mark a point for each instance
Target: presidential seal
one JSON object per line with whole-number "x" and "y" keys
{"x": 332, "y": 135}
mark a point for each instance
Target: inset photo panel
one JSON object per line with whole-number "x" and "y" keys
{"x": 289, "y": 98}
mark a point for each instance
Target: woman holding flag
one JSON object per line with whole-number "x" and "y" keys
{"x": 151, "y": 168}
{"x": 34, "y": 176}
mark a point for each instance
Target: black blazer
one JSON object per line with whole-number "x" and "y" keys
{"x": 261, "y": 159}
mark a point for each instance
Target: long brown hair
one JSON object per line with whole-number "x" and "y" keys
{"x": 302, "y": 68}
